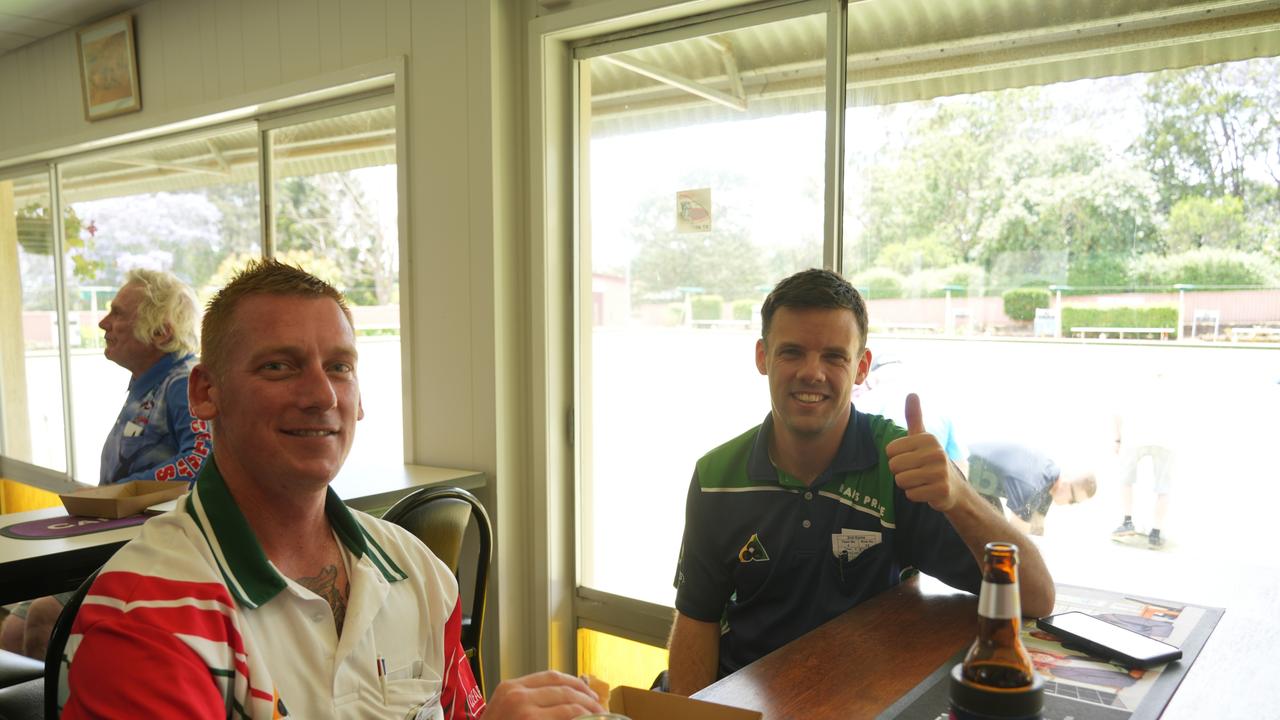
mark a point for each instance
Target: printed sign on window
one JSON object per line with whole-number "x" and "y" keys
{"x": 693, "y": 210}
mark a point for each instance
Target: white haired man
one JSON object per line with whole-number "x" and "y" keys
{"x": 151, "y": 331}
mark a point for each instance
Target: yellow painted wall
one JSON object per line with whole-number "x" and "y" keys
{"x": 17, "y": 497}
{"x": 619, "y": 661}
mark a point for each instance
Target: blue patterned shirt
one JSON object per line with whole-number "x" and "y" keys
{"x": 156, "y": 437}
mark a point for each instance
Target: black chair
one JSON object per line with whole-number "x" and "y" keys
{"x": 439, "y": 518}
{"x": 23, "y": 701}
{"x": 53, "y": 657}
{"x": 21, "y": 687}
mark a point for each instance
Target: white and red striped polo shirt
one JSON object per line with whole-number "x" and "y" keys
{"x": 191, "y": 620}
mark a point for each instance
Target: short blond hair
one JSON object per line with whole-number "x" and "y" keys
{"x": 260, "y": 277}
{"x": 167, "y": 302}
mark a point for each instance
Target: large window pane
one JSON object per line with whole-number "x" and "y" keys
{"x": 705, "y": 188}
{"x": 189, "y": 207}
{"x": 31, "y": 404}
{"x": 1058, "y": 265}
{"x": 335, "y": 214}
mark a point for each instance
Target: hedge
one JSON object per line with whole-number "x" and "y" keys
{"x": 742, "y": 309}
{"x": 707, "y": 307}
{"x": 930, "y": 283}
{"x": 1153, "y": 316}
{"x": 879, "y": 283}
{"x": 1209, "y": 267}
{"x": 1021, "y": 303}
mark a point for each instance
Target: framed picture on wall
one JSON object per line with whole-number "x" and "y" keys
{"x": 109, "y": 68}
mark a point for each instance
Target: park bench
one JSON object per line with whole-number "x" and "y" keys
{"x": 1255, "y": 332}
{"x": 1163, "y": 332}
{"x": 723, "y": 324}
{"x": 908, "y": 327}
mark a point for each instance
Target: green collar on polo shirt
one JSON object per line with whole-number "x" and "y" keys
{"x": 249, "y": 576}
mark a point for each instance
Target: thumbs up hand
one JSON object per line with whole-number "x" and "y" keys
{"x": 915, "y": 418}
{"x": 920, "y": 466}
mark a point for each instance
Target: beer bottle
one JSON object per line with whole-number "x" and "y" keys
{"x": 997, "y": 658}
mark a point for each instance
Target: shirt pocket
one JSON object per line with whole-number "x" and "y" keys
{"x": 751, "y": 578}
{"x": 411, "y": 683}
{"x": 851, "y": 574}
{"x": 134, "y": 449}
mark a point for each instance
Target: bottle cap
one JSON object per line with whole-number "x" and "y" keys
{"x": 988, "y": 702}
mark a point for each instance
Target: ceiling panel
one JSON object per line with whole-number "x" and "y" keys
{"x": 25, "y": 21}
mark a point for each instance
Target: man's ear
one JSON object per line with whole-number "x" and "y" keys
{"x": 864, "y": 367}
{"x": 760, "y": 357}
{"x": 202, "y": 396}
{"x": 359, "y": 408}
{"x": 162, "y": 335}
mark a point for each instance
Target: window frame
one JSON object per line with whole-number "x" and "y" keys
{"x": 559, "y": 274}
{"x": 384, "y": 91}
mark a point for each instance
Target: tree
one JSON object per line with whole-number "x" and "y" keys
{"x": 330, "y": 216}
{"x": 1213, "y": 131}
{"x": 164, "y": 231}
{"x": 1097, "y": 219}
{"x": 723, "y": 261}
{"x": 1196, "y": 222}
{"x": 930, "y": 199}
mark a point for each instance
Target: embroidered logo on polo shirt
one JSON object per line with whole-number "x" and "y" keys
{"x": 753, "y": 551}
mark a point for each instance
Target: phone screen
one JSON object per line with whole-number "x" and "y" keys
{"x": 1122, "y": 640}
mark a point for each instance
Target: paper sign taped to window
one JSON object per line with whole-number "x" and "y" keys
{"x": 693, "y": 210}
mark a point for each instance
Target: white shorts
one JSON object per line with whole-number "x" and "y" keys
{"x": 1161, "y": 466}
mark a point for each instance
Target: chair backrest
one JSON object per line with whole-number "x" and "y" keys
{"x": 439, "y": 518}
{"x": 53, "y": 657}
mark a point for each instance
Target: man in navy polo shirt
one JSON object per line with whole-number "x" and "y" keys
{"x": 820, "y": 507}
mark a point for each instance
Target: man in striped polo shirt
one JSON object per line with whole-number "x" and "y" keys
{"x": 262, "y": 595}
{"x": 821, "y": 506}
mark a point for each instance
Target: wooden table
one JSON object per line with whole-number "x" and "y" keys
{"x": 859, "y": 663}
{"x": 31, "y": 568}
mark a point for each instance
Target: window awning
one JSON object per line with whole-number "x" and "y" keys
{"x": 202, "y": 160}
{"x": 904, "y": 50}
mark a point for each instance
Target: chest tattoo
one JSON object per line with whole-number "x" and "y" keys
{"x": 330, "y": 586}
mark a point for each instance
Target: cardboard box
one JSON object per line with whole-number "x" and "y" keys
{"x": 117, "y": 501}
{"x": 650, "y": 705}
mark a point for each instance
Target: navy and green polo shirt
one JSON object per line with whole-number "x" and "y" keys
{"x": 771, "y": 558}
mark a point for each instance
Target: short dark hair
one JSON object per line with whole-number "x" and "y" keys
{"x": 260, "y": 277}
{"x": 815, "y": 288}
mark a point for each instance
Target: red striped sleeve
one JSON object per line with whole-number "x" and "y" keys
{"x": 460, "y": 697}
{"x": 165, "y": 678}
{"x": 128, "y": 586}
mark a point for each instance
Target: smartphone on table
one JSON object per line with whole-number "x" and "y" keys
{"x": 1108, "y": 640}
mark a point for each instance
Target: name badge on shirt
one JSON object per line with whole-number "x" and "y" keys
{"x": 132, "y": 429}
{"x": 849, "y": 544}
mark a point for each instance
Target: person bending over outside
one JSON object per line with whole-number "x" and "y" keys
{"x": 151, "y": 332}
{"x": 1028, "y": 480}
{"x": 820, "y": 506}
{"x": 262, "y": 595}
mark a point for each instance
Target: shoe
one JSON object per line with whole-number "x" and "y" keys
{"x": 1155, "y": 541}
{"x": 1126, "y": 528}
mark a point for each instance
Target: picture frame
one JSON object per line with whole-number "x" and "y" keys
{"x": 108, "y": 68}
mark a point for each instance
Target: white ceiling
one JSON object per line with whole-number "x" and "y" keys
{"x": 23, "y": 22}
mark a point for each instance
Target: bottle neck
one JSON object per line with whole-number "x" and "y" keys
{"x": 999, "y": 601}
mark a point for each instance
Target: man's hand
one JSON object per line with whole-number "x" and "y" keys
{"x": 920, "y": 465}
{"x": 548, "y": 695}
